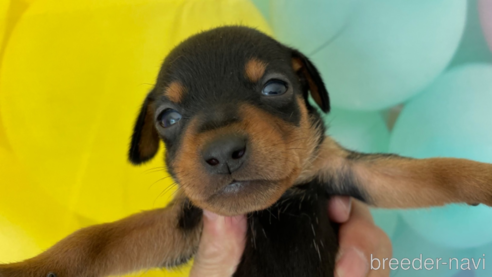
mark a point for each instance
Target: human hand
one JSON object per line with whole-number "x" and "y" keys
{"x": 359, "y": 237}
{"x": 223, "y": 241}
{"x": 221, "y": 246}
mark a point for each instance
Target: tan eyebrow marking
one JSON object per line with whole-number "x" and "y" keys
{"x": 175, "y": 92}
{"x": 296, "y": 64}
{"x": 255, "y": 69}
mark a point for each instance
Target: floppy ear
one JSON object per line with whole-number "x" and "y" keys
{"x": 145, "y": 140}
{"x": 311, "y": 78}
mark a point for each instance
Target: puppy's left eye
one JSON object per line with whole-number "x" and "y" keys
{"x": 274, "y": 87}
{"x": 168, "y": 117}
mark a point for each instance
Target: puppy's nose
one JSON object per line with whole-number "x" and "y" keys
{"x": 225, "y": 154}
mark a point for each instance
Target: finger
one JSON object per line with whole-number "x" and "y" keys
{"x": 221, "y": 245}
{"x": 339, "y": 208}
{"x": 361, "y": 211}
{"x": 360, "y": 241}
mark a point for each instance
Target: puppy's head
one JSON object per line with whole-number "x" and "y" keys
{"x": 231, "y": 106}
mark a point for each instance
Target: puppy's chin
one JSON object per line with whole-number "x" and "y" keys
{"x": 242, "y": 197}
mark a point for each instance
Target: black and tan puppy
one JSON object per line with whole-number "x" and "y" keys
{"x": 241, "y": 137}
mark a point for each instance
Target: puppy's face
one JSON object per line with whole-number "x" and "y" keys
{"x": 231, "y": 106}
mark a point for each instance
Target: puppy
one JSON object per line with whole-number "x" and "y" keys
{"x": 231, "y": 106}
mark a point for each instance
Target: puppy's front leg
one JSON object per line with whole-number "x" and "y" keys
{"x": 391, "y": 181}
{"x": 158, "y": 238}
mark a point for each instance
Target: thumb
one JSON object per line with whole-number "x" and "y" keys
{"x": 221, "y": 246}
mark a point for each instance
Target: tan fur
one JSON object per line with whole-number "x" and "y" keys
{"x": 175, "y": 92}
{"x": 300, "y": 68}
{"x": 146, "y": 240}
{"x": 409, "y": 183}
{"x": 284, "y": 155}
{"x": 280, "y": 156}
{"x": 297, "y": 64}
{"x": 278, "y": 152}
{"x": 397, "y": 182}
{"x": 328, "y": 160}
{"x": 151, "y": 239}
{"x": 255, "y": 69}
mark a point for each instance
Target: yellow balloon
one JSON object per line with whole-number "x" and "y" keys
{"x": 16, "y": 240}
{"x": 73, "y": 76}
{"x": 4, "y": 7}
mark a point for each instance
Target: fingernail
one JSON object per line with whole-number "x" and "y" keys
{"x": 210, "y": 215}
{"x": 351, "y": 263}
{"x": 345, "y": 203}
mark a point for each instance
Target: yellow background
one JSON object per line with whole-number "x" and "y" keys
{"x": 72, "y": 77}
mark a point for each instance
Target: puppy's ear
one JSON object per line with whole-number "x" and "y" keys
{"x": 145, "y": 140}
{"x": 310, "y": 78}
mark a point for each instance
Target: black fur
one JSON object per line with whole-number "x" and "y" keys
{"x": 346, "y": 185}
{"x": 363, "y": 156}
{"x": 207, "y": 65}
{"x": 294, "y": 237}
{"x": 135, "y": 156}
{"x": 191, "y": 217}
{"x": 313, "y": 72}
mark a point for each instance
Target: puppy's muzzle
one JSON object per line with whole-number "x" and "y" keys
{"x": 225, "y": 154}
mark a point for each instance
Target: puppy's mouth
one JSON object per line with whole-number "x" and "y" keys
{"x": 241, "y": 188}
{"x": 244, "y": 196}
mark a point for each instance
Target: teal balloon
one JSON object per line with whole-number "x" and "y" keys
{"x": 465, "y": 274}
{"x": 308, "y": 25}
{"x": 358, "y": 131}
{"x": 388, "y": 51}
{"x": 473, "y": 47}
{"x": 484, "y": 252}
{"x": 385, "y": 219}
{"x": 363, "y": 132}
{"x": 264, "y": 7}
{"x": 485, "y": 7}
{"x": 411, "y": 245}
{"x": 450, "y": 118}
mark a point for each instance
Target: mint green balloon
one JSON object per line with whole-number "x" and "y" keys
{"x": 388, "y": 51}
{"x": 308, "y": 25}
{"x": 450, "y": 118}
{"x": 358, "y": 131}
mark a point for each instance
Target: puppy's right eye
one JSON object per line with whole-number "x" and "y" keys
{"x": 274, "y": 87}
{"x": 168, "y": 118}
